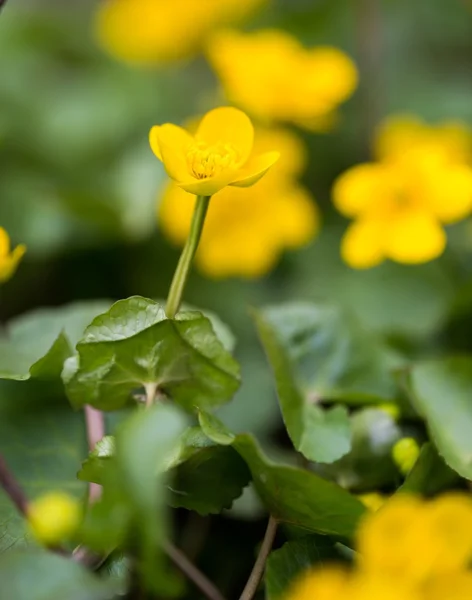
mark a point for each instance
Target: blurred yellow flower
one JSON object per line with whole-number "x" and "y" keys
{"x": 219, "y": 154}
{"x": 54, "y": 518}
{"x": 372, "y": 500}
{"x": 9, "y": 259}
{"x": 400, "y": 203}
{"x": 410, "y": 549}
{"x": 269, "y": 74}
{"x": 246, "y": 231}
{"x": 161, "y": 31}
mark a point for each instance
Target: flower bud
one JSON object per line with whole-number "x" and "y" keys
{"x": 405, "y": 454}
{"x": 54, "y": 517}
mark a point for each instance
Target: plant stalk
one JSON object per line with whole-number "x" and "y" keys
{"x": 259, "y": 566}
{"x": 185, "y": 262}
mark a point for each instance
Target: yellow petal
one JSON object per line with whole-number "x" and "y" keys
{"x": 360, "y": 188}
{"x": 450, "y": 586}
{"x": 208, "y": 186}
{"x": 9, "y": 263}
{"x": 362, "y": 244}
{"x": 170, "y": 143}
{"x": 328, "y": 583}
{"x": 4, "y": 242}
{"x": 254, "y": 169}
{"x": 450, "y": 194}
{"x": 414, "y": 237}
{"x": 227, "y": 125}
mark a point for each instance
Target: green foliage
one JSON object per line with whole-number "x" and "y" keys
{"x": 134, "y": 345}
{"x": 36, "y": 575}
{"x": 38, "y": 343}
{"x": 429, "y": 475}
{"x": 293, "y": 495}
{"x": 320, "y": 435}
{"x": 441, "y": 391}
{"x": 292, "y": 559}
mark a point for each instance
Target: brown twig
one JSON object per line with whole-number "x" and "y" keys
{"x": 12, "y": 488}
{"x": 192, "y": 572}
{"x": 259, "y": 566}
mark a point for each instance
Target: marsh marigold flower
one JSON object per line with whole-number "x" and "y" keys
{"x": 410, "y": 549}
{"x": 420, "y": 182}
{"x": 272, "y": 76}
{"x": 54, "y": 517}
{"x": 246, "y": 231}
{"x": 9, "y": 259}
{"x": 162, "y": 31}
{"x": 219, "y": 154}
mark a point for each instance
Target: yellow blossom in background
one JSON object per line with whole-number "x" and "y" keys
{"x": 162, "y": 31}
{"x": 420, "y": 182}
{"x": 9, "y": 259}
{"x": 372, "y": 500}
{"x": 54, "y": 518}
{"x": 246, "y": 231}
{"x": 273, "y": 77}
{"x": 219, "y": 154}
{"x": 410, "y": 549}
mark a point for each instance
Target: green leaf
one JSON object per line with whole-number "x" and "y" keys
{"x": 134, "y": 345}
{"x": 430, "y": 474}
{"x": 36, "y": 575}
{"x": 142, "y": 446}
{"x": 332, "y": 357}
{"x": 209, "y": 480}
{"x": 98, "y": 461}
{"x": 320, "y": 435}
{"x": 285, "y": 564}
{"x": 37, "y": 343}
{"x": 43, "y": 442}
{"x": 293, "y": 495}
{"x": 369, "y": 465}
{"x": 441, "y": 391}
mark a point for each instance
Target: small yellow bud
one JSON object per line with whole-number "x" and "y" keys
{"x": 54, "y": 517}
{"x": 391, "y": 409}
{"x": 372, "y": 500}
{"x": 405, "y": 454}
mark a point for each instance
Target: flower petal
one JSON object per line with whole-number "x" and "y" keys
{"x": 414, "y": 237}
{"x": 4, "y": 242}
{"x": 450, "y": 193}
{"x": 360, "y": 188}
{"x": 9, "y": 263}
{"x": 169, "y": 143}
{"x": 255, "y": 168}
{"x": 227, "y": 125}
{"x": 362, "y": 244}
{"x": 208, "y": 186}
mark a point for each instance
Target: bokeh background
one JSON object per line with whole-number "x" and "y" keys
{"x": 80, "y": 186}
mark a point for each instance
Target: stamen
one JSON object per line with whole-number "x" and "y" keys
{"x": 207, "y": 161}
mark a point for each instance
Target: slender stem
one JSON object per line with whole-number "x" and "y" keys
{"x": 259, "y": 566}
{"x": 12, "y": 488}
{"x": 95, "y": 426}
{"x": 191, "y": 571}
{"x": 185, "y": 262}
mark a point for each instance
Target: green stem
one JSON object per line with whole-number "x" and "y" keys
{"x": 185, "y": 262}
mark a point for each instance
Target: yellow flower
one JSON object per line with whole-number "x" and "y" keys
{"x": 400, "y": 203}
{"x": 413, "y": 540}
{"x": 398, "y": 135}
{"x": 269, "y": 74}
{"x": 9, "y": 259}
{"x": 161, "y": 31}
{"x": 246, "y": 231}
{"x": 219, "y": 154}
{"x": 405, "y": 453}
{"x": 54, "y": 518}
{"x": 373, "y": 500}
{"x": 330, "y": 583}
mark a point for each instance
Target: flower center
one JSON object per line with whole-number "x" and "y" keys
{"x": 207, "y": 161}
